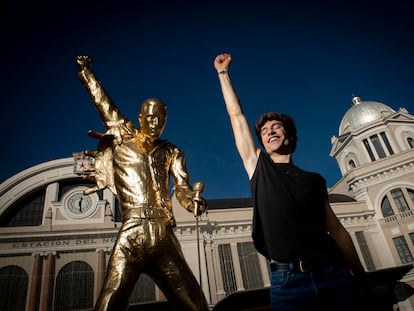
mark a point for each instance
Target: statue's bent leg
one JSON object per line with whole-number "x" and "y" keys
{"x": 175, "y": 278}
{"x": 120, "y": 280}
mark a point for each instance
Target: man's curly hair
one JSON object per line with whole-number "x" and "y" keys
{"x": 287, "y": 122}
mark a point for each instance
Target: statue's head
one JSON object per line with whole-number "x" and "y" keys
{"x": 152, "y": 118}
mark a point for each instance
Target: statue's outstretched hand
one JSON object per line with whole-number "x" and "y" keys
{"x": 84, "y": 61}
{"x": 199, "y": 204}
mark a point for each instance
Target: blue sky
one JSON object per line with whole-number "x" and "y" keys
{"x": 301, "y": 58}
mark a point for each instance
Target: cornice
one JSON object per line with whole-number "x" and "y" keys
{"x": 381, "y": 170}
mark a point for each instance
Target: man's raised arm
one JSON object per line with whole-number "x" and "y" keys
{"x": 241, "y": 130}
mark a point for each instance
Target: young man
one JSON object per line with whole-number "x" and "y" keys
{"x": 136, "y": 165}
{"x": 310, "y": 252}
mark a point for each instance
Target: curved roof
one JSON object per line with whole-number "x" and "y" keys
{"x": 362, "y": 113}
{"x": 337, "y": 198}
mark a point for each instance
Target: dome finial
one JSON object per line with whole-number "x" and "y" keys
{"x": 355, "y": 100}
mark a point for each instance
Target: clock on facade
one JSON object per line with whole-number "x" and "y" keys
{"x": 79, "y": 203}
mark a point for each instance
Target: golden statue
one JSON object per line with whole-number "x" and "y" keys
{"x": 136, "y": 165}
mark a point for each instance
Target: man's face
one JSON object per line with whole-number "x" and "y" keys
{"x": 274, "y": 137}
{"x": 152, "y": 119}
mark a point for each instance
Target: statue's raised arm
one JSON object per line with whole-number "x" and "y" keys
{"x": 109, "y": 113}
{"x": 84, "y": 61}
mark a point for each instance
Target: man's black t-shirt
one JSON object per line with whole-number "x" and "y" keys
{"x": 289, "y": 213}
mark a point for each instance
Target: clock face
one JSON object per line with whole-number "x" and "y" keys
{"x": 79, "y": 203}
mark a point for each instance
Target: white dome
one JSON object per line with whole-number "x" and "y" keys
{"x": 362, "y": 113}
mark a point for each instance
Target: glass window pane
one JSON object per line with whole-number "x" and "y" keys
{"x": 69, "y": 184}
{"x": 411, "y": 194}
{"x": 74, "y": 287}
{"x": 378, "y": 147}
{"x": 27, "y": 211}
{"x": 387, "y": 143}
{"x": 250, "y": 266}
{"x": 363, "y": 245}
{"x": 118, "y": 214}
{"x": 399, "y": 200}
{"x": 411, "y": 234}
{"x": 386, "y": 208}
{"x": 144, "y": 290}
{"x": 368, "y": 148}
{"x": 410, "y": 142}
{"x": 227, "y": 268}
{"x": 13, "y": 287}
{"x": 402, "y": 249}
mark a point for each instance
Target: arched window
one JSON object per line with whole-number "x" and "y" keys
{"x": 144, "y": 290}
{"x": 27, "y": 211}
{"x": 13, "y": 288}
{"x": 397, "y": 201}
{"x": 351, "y": 164}
{"x": 386, "y": 208}
{"x": 410, "y": 142}
{"x": 74, "y": 287}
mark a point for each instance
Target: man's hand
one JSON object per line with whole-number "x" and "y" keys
{"x": 222, "y": 62}
{"x": 84, "y": 61}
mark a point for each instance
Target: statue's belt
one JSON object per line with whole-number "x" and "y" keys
{"x": 145, "y": 212}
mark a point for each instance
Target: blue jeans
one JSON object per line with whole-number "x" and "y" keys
{"x": 331, "y": 288}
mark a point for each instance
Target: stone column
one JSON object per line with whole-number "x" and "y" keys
{"x": 236, "y": 264}
{"x": 100, "y": 275}
{"x": 46, "y": 299}
{"x": 264, "y": 268}
{"x": 35, "y": 284}
{"x": 211, "y": 267}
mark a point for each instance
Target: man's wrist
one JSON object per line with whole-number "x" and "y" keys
{"x": 222, "y": 72}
